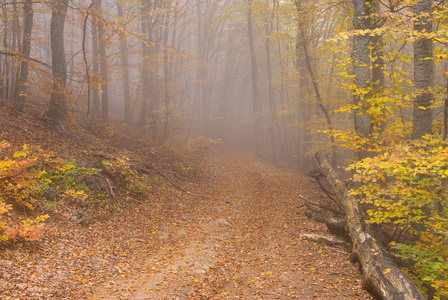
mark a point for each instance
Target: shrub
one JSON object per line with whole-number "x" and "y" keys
{"x": 16, "y": 182}
{"x": 405, "y": 186}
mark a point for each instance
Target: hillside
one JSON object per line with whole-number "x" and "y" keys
{"x": 232, "y": 233}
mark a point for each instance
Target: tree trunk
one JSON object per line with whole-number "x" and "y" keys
{"x": 125, "y": 64}
{"x": 20, "y": 97}
{"x": 310, "y": 70}
{"x": 95, "y": 69}
{"x": 254, "y": 72}
{"x": 378, "y": 78}
{"x": 274, "y": 133}
{"x": 423, "y": 71}
{"x": 361, "y": 69}
{"x": 103, "y": 66}
{"x": 225, "y": 94}
{"x": 166, "y": 74}
{"x": 13, "y": 76}
{"x": 379, "y": 275}
{"x": 57, "y": 110}
{"x": 145, "y": 68}
{"x": 445, "y": 110}
{"x": 4, "y": 60}
{"x": 285, "y": 145}
{"x": 304, "y": 134}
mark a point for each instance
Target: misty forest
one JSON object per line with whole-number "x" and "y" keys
{"x": 223, "y": 149}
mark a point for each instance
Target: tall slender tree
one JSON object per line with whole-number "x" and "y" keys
{"x": 125, "y": 63}
{"x": 361, "y": 68}
{"x": 423, "y": 70}
{"x": 57, "y": 109}
{"x": 21, "y": 92}
{"x": 95, "y": 68}
{"x": 103, "y": 65}
{"x": 254, "y": 72}
{"x": 166, "y": 71}
{"x": 268, "y": 26}
{"x": 145, "y": 8}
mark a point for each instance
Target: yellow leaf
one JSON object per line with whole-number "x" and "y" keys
{"x": 268, "y": 273}
{"x": 387, "y": 271}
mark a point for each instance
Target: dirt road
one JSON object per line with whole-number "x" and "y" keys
{"x": 242, "y": 243}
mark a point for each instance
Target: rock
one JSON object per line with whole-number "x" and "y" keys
{"x": 51, "y": 194}
{"x": 82, "y": 179}
{"x": 101, "y": 260}
{"x": 224, "y": 222}
{"x": 22, "y": 286}
{"x": 83, "y": 217}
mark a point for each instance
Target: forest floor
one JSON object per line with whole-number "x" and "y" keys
{"x": 236, "y": 236}
{"x": 242, "y": 243}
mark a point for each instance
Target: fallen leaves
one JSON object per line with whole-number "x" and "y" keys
{"x": 187, "y": 253}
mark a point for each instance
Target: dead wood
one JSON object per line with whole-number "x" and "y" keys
{"x": 145, "y": 170}
{"x": 25, "y": 118}
{"x": 318, "y": 176}
{"x": 327, "y": 240}
{"x": 336, "y": 226}
{"x": 110, "y": 187}
{"x": 17, "y": 126}
{"x": 325, "y": 214}
{"x": 379, "y": 275}
{"x": 326, "y": 207}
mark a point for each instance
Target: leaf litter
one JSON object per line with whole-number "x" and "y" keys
{"x": 244, "y": 244}
{"x": 241, "y": 242}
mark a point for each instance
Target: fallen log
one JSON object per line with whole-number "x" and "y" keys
{"x": 379, "y": 275}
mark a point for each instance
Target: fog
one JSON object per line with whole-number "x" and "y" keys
{"x": 174, "y": 70}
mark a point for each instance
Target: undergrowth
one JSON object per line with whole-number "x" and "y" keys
{"x": 406, "y": 186}
{"x": 32, "y": 180}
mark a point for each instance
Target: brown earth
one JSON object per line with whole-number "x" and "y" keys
{"x": 239, "y": 240}
{"x": 242, "y": 243}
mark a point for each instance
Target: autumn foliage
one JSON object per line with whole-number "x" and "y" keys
{"x": 405, "y": 187}
{"x": 17, "y": 181}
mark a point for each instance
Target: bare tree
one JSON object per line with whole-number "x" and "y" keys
{"x": 254, "y": 72}
{"x": 21, "y": 92}
{"x": 103, "y": 65}
{"x": 304, "y": 44}
{"x": 95, "y": 68}
{"x": 166, "y": 71}
{"x": 145, "y": 28}
{"x": 125, "y": 63}
{"x": 57, "y": 109}
{"x": 274, "y": 134}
